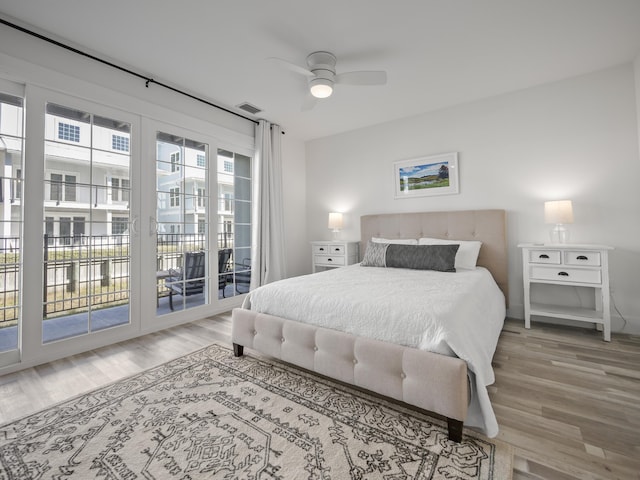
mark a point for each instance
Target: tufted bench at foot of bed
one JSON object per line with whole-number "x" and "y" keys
{"x": 427, "y": 380}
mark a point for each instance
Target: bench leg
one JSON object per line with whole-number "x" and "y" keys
{"x": 238, "y": 350}
{"x": 455, "y": 429}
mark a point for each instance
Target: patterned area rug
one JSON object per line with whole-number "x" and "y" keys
{"x": 210, "y": 415}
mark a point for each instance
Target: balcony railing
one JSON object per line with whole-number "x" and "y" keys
{"x": 81, "y": 271}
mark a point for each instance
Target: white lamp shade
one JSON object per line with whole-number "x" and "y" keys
{"x": 335, "y": 221}
{"x": 558, "y": 212}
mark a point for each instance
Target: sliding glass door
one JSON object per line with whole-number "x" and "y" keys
{"x": 116, "y": 217}
{"x": 201, "y": 227}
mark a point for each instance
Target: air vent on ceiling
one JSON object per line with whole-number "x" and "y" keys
{"x": 247, "y": 107}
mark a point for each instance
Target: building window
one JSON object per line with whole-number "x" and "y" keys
{"x": 48, "y": 229}
{"x": 201, "y": 199}
{"x": 226, "y": 202}
{"x": 175, "y": 162}
{"x": 55, "y": 192}
{"x": 126, "y": 188}
{"x": 228, "y": 166}
{"x": 65, "y": 230}
{"x": 16, "y": 186}
{"x": 68, "y": 132}
{"x": 119, "y": 225}
{"x": 115, "y": 189}
{"x": 118, "y": 142}
{"x": 78, "y": 229}
{"x": 120, "y": 188}
{"x": 174, "y": 197}
{"x": 202, "y": 225}
{"x": 200, "y": 160}
{"x": 70, "y": 188}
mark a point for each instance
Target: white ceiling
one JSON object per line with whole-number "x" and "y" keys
{"x": 437, "y": 53}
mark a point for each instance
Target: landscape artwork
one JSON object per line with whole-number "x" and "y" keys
{"x": 431, "y": 175}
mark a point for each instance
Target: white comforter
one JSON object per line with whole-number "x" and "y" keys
{"x": 459, "y": 314}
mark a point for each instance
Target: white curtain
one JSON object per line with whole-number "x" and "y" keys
{"x": 268, "y": 219}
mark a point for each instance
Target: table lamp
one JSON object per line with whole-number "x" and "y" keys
{"x": 335, "y": 223}
{"x": 558, "y": 213}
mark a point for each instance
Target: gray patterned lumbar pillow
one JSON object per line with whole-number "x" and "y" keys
{"x": 422, "y": 257}
{"x": 375, "y": 255}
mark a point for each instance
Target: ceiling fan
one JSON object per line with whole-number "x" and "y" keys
{"x": 321, "y": 72}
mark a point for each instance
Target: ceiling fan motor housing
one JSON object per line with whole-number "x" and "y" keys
{"x": 323, "y": 66}
{"x": 322, "y": 61}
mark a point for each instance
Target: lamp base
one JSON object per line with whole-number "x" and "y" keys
{"x": 559, "y": 234}
{"x": 336, "y": 234}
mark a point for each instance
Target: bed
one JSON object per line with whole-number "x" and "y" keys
{"x": 438, "y": 381}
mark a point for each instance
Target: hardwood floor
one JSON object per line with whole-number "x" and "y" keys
{"x": 568, "y": 402}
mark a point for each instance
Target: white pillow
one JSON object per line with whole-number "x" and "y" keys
{"x": 467, "y": 254}
{"x": 395, "y": 241}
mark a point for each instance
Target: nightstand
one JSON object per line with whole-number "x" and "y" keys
{"x": 333, "y": 254}
{"x": 565, "y": 265}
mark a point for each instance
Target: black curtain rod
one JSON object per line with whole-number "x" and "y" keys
{"x": 146, "y": 79}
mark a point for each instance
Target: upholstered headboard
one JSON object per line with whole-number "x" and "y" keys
{"x": 488, "y": 226}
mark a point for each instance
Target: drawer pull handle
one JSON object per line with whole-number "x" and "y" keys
{"x": 544, "y": 255}
{"x": 563, "y": 274}
{"x": 329, "y": 259}
{"x": 582, "y": 257}
{"x": 321, "y": 249}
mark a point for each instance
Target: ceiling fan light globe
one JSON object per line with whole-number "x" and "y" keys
{"x": 321, "y": 88}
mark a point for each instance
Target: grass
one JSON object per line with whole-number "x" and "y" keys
{"x": 60, "y": 302}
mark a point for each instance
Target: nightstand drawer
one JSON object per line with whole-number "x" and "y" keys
{"x": 545, "y": 256}
{"x": 323, "y": 249}
{"x": 591, "y": 259}
{"x": 337, "y": 249}
{"x": 329, "y": 260}
{"x": 567, "y": 274}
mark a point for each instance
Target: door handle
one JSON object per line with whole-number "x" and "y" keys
{"x": 134, "y": 226}
{"x": 153, "y": 226}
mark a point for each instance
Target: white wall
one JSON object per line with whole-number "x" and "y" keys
{"x": 297, "y": 250}
{"x": 575, "y": 139}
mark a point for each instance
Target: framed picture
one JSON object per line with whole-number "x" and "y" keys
{"x": 425, "y": 176}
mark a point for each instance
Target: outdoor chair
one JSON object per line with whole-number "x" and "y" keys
{"x": 224, "y": 257}
{"x": 243, "y": 274}
{"x": 188, "y": 280}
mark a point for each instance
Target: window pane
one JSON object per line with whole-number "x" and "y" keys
{"x": 234, "y": 220}
{"x": 181, "y": 201}
{"x": 86, "y": 257}
{"x": 11, "y": 154}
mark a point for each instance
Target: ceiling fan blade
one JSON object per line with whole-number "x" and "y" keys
{"x": 292, "y": 67}
{"x": 308, "y": 103}
{"x": 362, "y": 78}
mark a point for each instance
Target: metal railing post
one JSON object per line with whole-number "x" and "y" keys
{"x": 45, "y": 273}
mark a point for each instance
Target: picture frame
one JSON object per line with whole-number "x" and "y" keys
{"x": 426, "y": 176}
